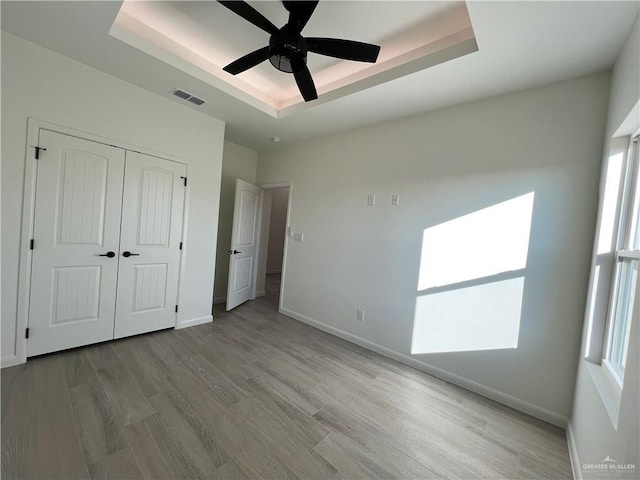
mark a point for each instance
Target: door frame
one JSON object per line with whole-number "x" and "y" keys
{"x": 271, "y": 186}
{"x": 34, "y": 126}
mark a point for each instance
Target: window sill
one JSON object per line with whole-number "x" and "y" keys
{"x": 608, "y": 390}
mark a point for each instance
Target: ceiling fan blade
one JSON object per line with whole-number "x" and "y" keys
{"x": 300, "y": 12}
{"x": 346, "y": 49}
{"x": 250, "y": 14}
{"x": 248, "y": 61}
{"x": 304, "y": 80}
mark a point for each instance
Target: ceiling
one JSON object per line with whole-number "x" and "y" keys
{"x": 202, "y": 37}
{"x": 520, "y": 45}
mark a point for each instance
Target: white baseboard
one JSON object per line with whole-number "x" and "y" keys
{"x": 573, "y": 453}
{"x": 195, "y": 321}
{"x": 10, "y": 361}
{"x": 498, "y": 396}
{"x": 261, "y": 293}
{"x": 217, "y": 300}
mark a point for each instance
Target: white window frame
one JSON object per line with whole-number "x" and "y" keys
{"x": 624, "y": 253}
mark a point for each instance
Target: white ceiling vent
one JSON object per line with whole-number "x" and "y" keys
{"x": 187, "y": 96}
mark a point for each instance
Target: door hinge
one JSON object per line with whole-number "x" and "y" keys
{"x": 176, "y": 308}
{"x": 31, "y": 243}
{"x": 26, "y": 332}
{"x": 180, "y": 245}
{"x": 38, "y": 152}
{"x": 185, "y": 180}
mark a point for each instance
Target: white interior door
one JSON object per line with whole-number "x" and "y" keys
{"x": 152, "y": 210}
{"x": 77, "y": 222}
{"x": 243, "y": 244}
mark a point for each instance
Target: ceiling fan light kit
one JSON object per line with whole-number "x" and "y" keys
{"x": 287, "y": 49}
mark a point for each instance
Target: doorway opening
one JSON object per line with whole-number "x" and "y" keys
{"x": 272, "y": 246}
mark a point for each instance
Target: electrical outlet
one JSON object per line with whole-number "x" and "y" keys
{"x": 371, "y": 200}
{"x": 360, "y": 315}
{"x": 395, "y": 199}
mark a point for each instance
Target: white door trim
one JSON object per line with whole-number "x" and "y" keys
{"x": 269, "y": 186}
{"x": 28, "y": 214}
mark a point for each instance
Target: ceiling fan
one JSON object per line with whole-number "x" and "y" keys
{"x": 287, "y": 49}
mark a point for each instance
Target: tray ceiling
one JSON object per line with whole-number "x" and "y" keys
{"x": 202, "y": 37}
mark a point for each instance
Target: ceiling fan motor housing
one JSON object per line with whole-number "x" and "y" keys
{"x": 285, "y": 47}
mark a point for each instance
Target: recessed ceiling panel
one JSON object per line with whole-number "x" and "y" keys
{"x": 200, "y": 38}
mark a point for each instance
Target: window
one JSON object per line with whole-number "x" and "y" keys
{"x": 625, "y": 273}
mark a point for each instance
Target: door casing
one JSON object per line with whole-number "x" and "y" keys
{"x": 259, "y": 245}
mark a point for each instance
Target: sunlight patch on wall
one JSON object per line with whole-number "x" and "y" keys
{"x": 483, "y": 243}
{"x": 482, "y": 317}
{"x": 471, "y": 280}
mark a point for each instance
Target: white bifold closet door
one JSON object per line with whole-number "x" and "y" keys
{"x": 84, "y": 289}
{"x": 77, "y": 220}
{"x": 152, "y": 208}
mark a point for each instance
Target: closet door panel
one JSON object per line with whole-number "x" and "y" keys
{"x": 77, "y": 222}
{"x": 152, "y": 211}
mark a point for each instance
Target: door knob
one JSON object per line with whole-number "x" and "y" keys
{"x": 233, "y": 252}
{"x": 108, "y": 254}
{"x": 129, "y": 254}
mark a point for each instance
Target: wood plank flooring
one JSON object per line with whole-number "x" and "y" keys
{"x": 257, "y": 395}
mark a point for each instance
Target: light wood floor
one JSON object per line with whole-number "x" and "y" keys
{"x": 257, "y": 395}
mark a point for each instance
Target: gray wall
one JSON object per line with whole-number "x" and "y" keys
{"x": 237, "y": 162}
{"x": 444, "y": 165}
{"x": 50, "y": 87}
{"x": 592, "y": 434}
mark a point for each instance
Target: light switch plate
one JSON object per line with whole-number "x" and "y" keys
{"x": 298, "y": 237}
{"x": 371, "y": 200}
